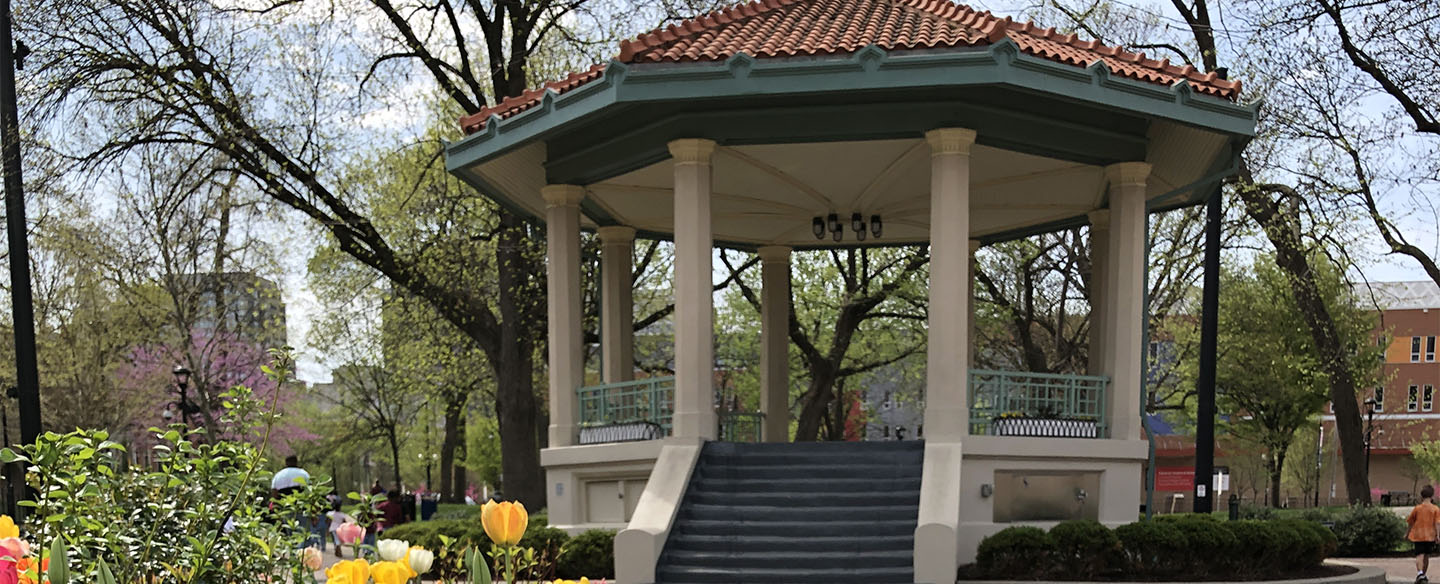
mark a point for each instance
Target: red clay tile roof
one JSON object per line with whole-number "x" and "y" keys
{"x": 786, "y": 28}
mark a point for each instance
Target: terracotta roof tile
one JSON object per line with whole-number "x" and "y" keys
{"x": 787, "y": 28}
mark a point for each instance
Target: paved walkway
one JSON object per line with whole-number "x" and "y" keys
{"x": 1397, "y": 570}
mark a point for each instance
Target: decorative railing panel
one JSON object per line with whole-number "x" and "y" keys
{"x": 1018, "y": 403}
{"x": 741, "y": 426}
{"x": 629, "y": 410}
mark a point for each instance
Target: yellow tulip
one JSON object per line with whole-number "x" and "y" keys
{"x": 391, "y": 573}
{"x": 504, "y": 522}
{"x": 355, "y": 571}
{"x": 8, "y": 528}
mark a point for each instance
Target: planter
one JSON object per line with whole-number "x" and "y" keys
{"x": 1045, "y": 428}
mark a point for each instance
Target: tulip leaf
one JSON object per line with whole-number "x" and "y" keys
{"x": 103, "y": 573}
{"x": 59, "y": 572}
{"x": 479, "y": 570}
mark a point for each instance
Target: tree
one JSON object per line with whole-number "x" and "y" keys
{"x": 255, "y": 83}
{"x": 1270, "y": 379}
{"x": 851, "y": 311}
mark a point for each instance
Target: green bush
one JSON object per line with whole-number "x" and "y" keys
{"x": 1085, "y": 547}
{"x": 427, "y": 534}
{"x": 1151, "y": 547}
{"x": 1258, "y": 550}
{"x": 1205, "y": 540}
{"x": 1257, "y": 512}
{"x": 590, "y": 555}
{"x": 1368, "y": 531}
{"x": 1016, "y": 552}
{"x": 1307, "y": 547}
{"x": 1318, "y": 515}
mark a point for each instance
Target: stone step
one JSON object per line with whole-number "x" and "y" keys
{"x": 746, "y": 575}
{"x": 904, "y": 526}
{"x": 810, "y": 499}
{"x": 798, "y": 545}
{"x": 812, "y": 471}
{"x": 815, "y": 560}
{"x": 806, "y": 485}
{"x": 813, "y": 514}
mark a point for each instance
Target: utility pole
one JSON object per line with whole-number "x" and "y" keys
{"x": 26, "y": 374}
{"x": 1209, "y": 330}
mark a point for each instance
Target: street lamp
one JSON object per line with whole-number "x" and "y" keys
{"x": 1369, "y": 430}
{"x": 182, "y": 383}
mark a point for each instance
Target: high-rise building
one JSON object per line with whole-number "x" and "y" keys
{"x": 253, "y": 308}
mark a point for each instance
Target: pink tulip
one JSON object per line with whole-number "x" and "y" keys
{"x": 14, "y": 548}
{"x": 350, "y": 533}
{"x": 9, "y": 574}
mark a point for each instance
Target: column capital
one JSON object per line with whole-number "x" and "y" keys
{"x": 974, "y": 246}
{"x": 616, "y": 234}
{"x": 950, "y": 141}
{"x": 562, "y": 195}
{"x": 1099, "y": 218}
{"x": 1127, "y": 173}
{"x": 692, "y": 150}
{"x": 774, "y": 254}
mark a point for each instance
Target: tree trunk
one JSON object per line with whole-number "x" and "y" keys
{"x": 522, "y": 478}
{"x": 394, "y": 437}
{"x": 454, "y": 433}
{"x": 813, "y": 403}
{"x": 1282, "y": 229}
{"x": 1277, "y": 464}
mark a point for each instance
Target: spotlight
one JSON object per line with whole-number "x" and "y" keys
{"x": 837, "y": 234}
{"x": 834, "y": 221}
{"x": 875, "y": 226}
{"x": 818, "y": 227}
{"x": 857, "y": 222}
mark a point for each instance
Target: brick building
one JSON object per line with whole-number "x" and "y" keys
{"x": 1404, "y": 409}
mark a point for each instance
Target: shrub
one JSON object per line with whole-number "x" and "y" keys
{"x": 590, "y": 555}
{"x": 1257, "y": 512}
{"x": 1016, "y": 552}
{"x": 1085, "y": 547}
{"x": 1151, "y": 547}
{"x": 1318, "y": 515}
{"x": 1307, "y": 547}
{"x": 1205, "y": 540}
{"x": 1258, "y": 549}
{"x": 1368, "y": 531}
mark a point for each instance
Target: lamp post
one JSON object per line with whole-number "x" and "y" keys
{"x": 1369, "y": 432}
{"x": 182, "y": 386}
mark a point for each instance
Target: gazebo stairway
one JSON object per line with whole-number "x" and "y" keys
{"x": 831, "y": 512}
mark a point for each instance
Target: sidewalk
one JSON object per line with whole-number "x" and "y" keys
{"x": 1397, "y": 570}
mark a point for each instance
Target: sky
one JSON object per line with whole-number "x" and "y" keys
{"x": 1416, "y": 219}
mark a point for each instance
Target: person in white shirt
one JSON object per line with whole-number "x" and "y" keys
{"x": 336, "y": 517}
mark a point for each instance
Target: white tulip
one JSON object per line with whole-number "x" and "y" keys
{"x": 421, "y": 559}
{"x": 392, "y": 549}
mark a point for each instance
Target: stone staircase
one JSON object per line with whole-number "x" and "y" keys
{"x": 831, "y": 512}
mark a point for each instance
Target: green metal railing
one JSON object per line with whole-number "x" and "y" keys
{"x": 996, "y": 397}
{"x": 741, "y": 426}
{"x": 643, "y": 400}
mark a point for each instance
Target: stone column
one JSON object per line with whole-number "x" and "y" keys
{"x": 1099, "y": 278}
{"x": 947, "y": 412}
{"x": 562, "y": 274}
{"x": 775, "y": 342}
{"x": 970, "y": 297}
{"x": 694, "y": 322}
{"x": 1124, "y": 294}
{"x": 617, "y": 311}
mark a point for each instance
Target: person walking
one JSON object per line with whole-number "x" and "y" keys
{"x": 1423, "y": 520}
{"x": 293, "y": 479}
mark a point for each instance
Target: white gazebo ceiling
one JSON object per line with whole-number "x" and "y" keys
{"x": 768, "y": 194}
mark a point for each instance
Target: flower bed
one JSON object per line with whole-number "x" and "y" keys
{"x": 1171, "y": 548}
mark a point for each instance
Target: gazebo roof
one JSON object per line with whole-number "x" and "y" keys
{"x": 768, "y": 29}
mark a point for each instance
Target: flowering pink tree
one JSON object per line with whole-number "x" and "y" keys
{"x": 217, "y": 362}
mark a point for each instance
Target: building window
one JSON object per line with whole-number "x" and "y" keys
{"x": 1379, "y": 400}
{"x": 1430, "y": 349}
{"x": 888, "y": 403}
{"x": 1427, "y": 399}
{"x": 1414, "y": 349}
{"x": 1412, "y": 400}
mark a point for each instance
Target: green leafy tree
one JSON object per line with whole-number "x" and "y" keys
{"x": 1270, "y": 377}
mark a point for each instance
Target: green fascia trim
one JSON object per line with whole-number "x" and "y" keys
{"x": 617, "y": 153}
{"x": 870, "y": 69}
{"x": 1226, "y": 165}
